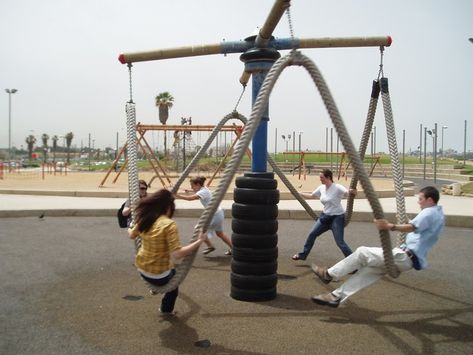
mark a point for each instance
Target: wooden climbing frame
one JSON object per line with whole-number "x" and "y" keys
{"x": 158, "y": 169}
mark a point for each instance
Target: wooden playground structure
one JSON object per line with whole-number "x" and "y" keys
{"x": 159, "y": 171}
{"x": 342, "y": 165}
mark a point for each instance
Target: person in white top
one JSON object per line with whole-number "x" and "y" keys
{"x": 201, "y": 192}
{"x": 332, "y": 217}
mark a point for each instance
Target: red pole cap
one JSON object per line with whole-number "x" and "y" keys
{"x": 390, "y": 40}
{"x": 121, "y": 58}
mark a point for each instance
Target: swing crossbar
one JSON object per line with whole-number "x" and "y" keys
{"x": 186, "y": 128}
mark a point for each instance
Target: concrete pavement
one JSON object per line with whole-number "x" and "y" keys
{"x": 458, "y": 209}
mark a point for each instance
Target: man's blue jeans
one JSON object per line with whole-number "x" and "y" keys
{"x": 169, "y": 299}
{"x": 323, "y": 224}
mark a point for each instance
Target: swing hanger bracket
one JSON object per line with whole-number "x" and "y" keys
{"x": 381, "y": 65}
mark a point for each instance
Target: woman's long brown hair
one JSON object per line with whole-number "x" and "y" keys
{"x": 151, "y": 207}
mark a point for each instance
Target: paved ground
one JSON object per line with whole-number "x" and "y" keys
{"x": 69, "y": 287}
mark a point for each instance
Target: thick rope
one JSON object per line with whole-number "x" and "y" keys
{"x": 221, "y": 189}
{"x": 182, "y": 269}
{"x": 353, "y": 155}
{"x": 294, "y": 58}
{"x": 133, "y": 188}
{"x": 277, "y": 170}
{"x": 363, "y": 145}
{"x": 205, "y": 147}
{"x": 395, "y": 163}
{"x": 291, "y": 188}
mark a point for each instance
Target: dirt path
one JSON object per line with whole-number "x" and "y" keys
{"x": 90, "y": 181}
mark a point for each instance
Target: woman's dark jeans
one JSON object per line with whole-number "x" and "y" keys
{"x": 323, "y": 224}
{"x": 169, "y": 299}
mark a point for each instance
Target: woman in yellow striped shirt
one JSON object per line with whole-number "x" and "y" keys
{"x": 160, "y": 244}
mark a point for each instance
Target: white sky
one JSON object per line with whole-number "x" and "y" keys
{"x": 61, "y": 55}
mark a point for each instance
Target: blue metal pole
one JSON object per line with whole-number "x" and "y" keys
{"x": 260, "y": 139}
{"x": 258, "y": 62}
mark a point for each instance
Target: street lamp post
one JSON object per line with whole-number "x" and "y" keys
{"x": 300, "y": 145}
{"x": 434, "y": 133}
{"x": 286, "y": 140}
{"x": 443, "y": 127}
{"x": 9, "y": 92}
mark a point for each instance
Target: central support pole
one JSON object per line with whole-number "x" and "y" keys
{"x": 254, "y": 224}
{"x": 258, "y": 62}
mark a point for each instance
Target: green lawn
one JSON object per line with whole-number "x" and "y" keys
{"x": 468, "y": 188}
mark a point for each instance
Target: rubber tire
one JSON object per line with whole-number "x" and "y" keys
{"x": 248, "y": 226}
{"x": 254, "y": 240}
{"x": 256, "y": 183}
{"x": 254, "y": 196}
{"x": 253, "y": 295}
{"x": 246, "y": 211}
{"x": 246, "y": 268}
{"x": 250, "y": 282}
{"x": 261, "y": 175}
{"x": 254, "y": 254}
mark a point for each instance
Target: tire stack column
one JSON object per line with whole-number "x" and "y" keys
{"x": 254, "y": 237}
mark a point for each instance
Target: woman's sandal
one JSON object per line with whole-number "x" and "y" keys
{"x": 208, "y": 250}
{"x": 297, "y": 257}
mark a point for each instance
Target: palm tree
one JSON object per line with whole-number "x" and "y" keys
{"x": 164, "y": 102}
{"x": 55, "y": 139}
{"x": 44, "y": 138}
{"x": 30, "y": 141}
{"x": 69, "y": 137}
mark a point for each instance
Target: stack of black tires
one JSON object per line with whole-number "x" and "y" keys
{"x": 254, "y": 237}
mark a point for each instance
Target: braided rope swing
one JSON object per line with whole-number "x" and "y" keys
{"x": 133, "y": 185}
{"x": 277, "y": 170}
{"x": 363, "y": 145}
{"x": 183, "y": 268}
{"x": 395, "y": 162}
{"x": 377, "y": 87}
{"x": 296, "y": 58}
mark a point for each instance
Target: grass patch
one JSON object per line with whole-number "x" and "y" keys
{"x": 467, "y": 170}
{"x": 467, "y": 188}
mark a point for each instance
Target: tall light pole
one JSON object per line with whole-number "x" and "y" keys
{"x": 286, "y": 140}
{"x": 443, "y": 127}
{"x": 300, "y": 145}
{"x": 9, "y": 92}
{"x": 434, "y": 133}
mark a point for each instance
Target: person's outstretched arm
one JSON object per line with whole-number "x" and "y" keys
{"x": 187, "y": 197}
{"x": 189, "y": 248}
{"x": 383, "y": 224}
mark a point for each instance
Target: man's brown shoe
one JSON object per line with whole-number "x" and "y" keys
{"x": 322, "y": 273}
{"x": 327, "y": 299}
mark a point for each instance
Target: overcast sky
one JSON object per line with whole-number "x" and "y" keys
{"x": 61, "y": 56}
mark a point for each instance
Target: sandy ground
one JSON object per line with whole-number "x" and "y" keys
{"x": 91, "y": 181}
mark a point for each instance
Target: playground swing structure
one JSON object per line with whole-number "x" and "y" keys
{"x": 374, "y": 161}
{"x": 159, "y": 171}
{"x": 293, "y": 58}
{"x": 380, "y": 85}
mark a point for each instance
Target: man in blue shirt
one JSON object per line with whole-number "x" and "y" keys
{"x": 368, "y": 263}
